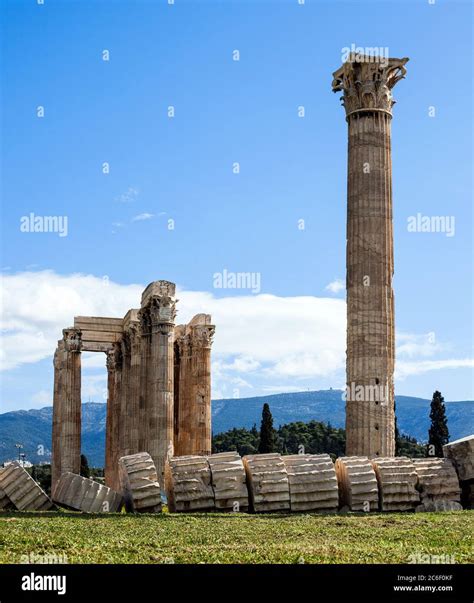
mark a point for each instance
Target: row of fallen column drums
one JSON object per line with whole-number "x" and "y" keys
{"x": 256, "y": 483}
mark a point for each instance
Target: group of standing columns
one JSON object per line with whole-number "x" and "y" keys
{"x": 159, "y": 386}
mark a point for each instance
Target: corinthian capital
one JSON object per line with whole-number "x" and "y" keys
{"x": 72, "y": 340}
{"x": 202, "y": 335}
{"x": 367, "y": 82}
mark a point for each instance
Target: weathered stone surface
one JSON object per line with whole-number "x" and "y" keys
{"x": 83, "y": 494}
{"x": 157, "y": 315}
{"x": 312, "y": 481}
{"x": 435, "y": 506}
{"x": 66, "y": 441}
{"x": 461, "y": 452}
{"x": 437, "y": 479}
{"x": 5, "y": 502}
{"x": 358, "y": 490}
{"x": 397, "y": 479}
{"x": 367, "y": 98}
{"x": 228, "y": 482}
{"x": 267, "y": 482}
{"x": 188, "y": 484}
{"x": 22, "y": 490}
{"x": 139, "y": 483}
{"x": 192, "y": 390}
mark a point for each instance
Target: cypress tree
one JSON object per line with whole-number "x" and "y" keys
{"x": 438, "y": 433}
{"x": 85, "y": 471}
{"x": 267, "y": 433}
{"x": 397, "y": 432}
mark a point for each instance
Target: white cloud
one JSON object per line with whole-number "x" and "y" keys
{"x": 407, "y": 369}
{"x": 413, "y": 345}
{"x": 336, "y": 286}
{"x": 140, "y": 217}
{"x": 262, "y": 342}
{"x": 129, "y": 196}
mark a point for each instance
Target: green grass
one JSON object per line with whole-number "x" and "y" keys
{"x": 236, "y": 538}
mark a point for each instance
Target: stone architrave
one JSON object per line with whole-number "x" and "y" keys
{"x": 83, "y": 494}
{"x": 22, "y": 490}
{"x": 158, "y": 312}
{"x": 366, "y": 83}
{"x": 66, "y": 438}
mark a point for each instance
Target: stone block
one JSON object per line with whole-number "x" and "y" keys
{"x": 139, "y": 483}
{"x": 86, "y": 495}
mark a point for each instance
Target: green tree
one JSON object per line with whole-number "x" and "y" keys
{"x": 85, "y": 471}
{"x": 267, "y": 432}
{"x": 438, "y": 434}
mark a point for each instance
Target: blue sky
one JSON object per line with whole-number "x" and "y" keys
{"x": 181, "y": 169}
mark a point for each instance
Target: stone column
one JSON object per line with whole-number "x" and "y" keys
{"x": 367, "y": 98}
{"x": 112, "y": 431}
{"x": 158, "y": 311}
{"x": 134, "y": 387}
{"x": 124, "y": 422}
{"x": 194, "y": 414}
{"x": 66, "y": 437}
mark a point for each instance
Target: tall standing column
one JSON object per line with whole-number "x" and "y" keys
{"x": 66, "y": 437}
{"x": 366, "y": 84}
{"x": 134, "y": 387}
{"x": 158, "y": 310}
{"x": 194, "y": 401}
{"x": 112, "y": 430}
{"x": 124, "y": 418}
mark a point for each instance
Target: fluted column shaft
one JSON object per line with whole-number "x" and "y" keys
{"x": 66, "y": 437}
{"x": 157, "y": 314}
{"x": 112, "y": 430}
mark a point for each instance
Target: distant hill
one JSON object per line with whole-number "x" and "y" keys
{"x": 32, "y": 428}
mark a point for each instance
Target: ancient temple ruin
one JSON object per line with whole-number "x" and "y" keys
{"x": 159, "y": 384}
{"x": 366, "y": 83}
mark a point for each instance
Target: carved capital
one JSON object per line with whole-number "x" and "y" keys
{"x": 367, "y": 82}
{"x": 135, "y": 333}
{"x": 184, "y": 344}
{"x": 126, "y": 345}
{"x": 162, "y": 310}
{"x": 202, "y": 335}
{"x": 114, "y": 357}
{"x": 72, "y": 340}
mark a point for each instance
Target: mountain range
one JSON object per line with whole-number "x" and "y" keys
{"x": 32, "y": 428}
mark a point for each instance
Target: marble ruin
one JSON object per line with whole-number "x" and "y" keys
{"x": 158, "y": 424}
{"x": 367, "y": 85}
{"x": 159, "y": 385}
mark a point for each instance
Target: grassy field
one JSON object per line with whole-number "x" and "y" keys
{"x": 236, "y": 538}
